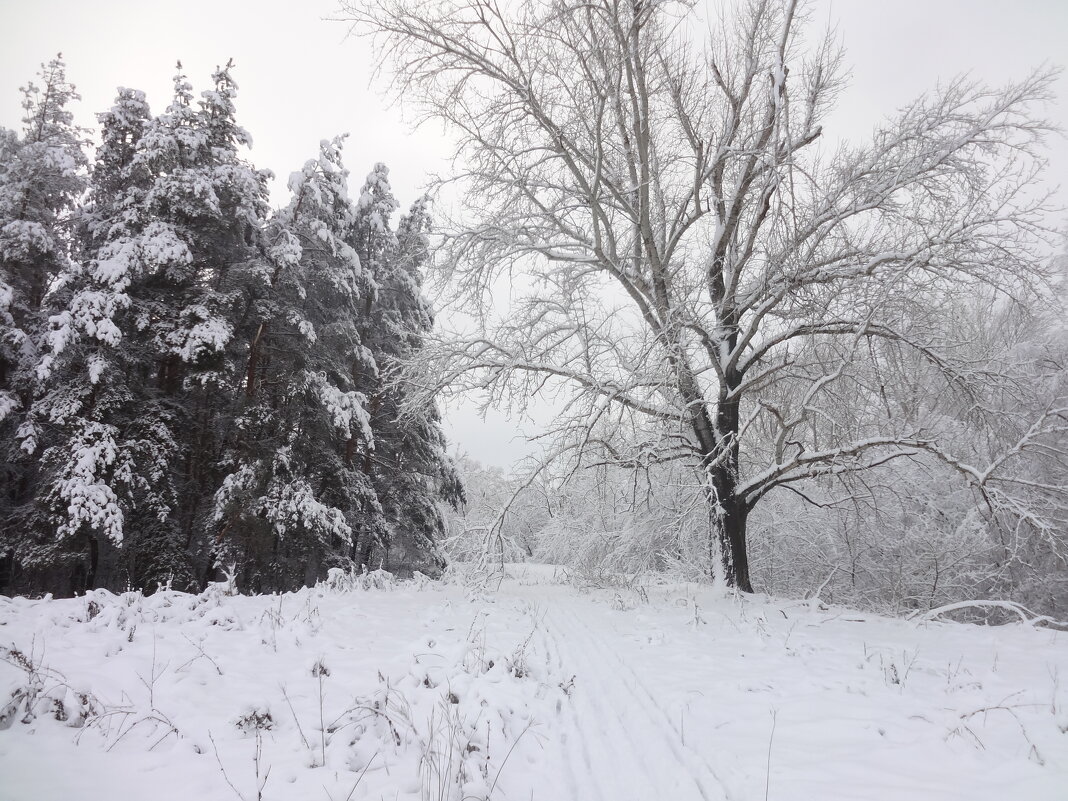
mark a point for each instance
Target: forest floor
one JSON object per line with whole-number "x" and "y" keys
{"x": 536, "y": 689}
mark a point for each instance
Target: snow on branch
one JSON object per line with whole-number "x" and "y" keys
{"x": 1022, "y": 612}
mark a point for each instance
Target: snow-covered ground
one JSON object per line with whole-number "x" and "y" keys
{"x": 536, "y": 690}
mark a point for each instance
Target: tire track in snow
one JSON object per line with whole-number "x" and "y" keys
{"x": 627, "y": 744}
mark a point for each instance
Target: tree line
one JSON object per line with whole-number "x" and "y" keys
{"x": 726, "y": 299}
{"x": 191, "y": 380}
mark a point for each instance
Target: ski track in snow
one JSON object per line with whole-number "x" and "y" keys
{"x": 620, "y": 745}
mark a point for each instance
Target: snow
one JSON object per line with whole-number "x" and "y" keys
{"x": 233, "y": 486}
{"x": 206, "y": 334}
{"x": 286, "y": 250}
{"x": 83, "y": 485}
{"x": 21, "y": 238}
{"x": 8, "y": 404}
{"x": 376, "y": 199}
{"x": 161, "y": 247}
{"x": 292, "y": 506}
{"x": 27, "y": 435}
{"x": 97, "y": 365}
{"x": 347, "y": 409}
{"x": 367, "y": 688}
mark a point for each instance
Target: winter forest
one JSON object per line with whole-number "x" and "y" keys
{"x": 794, "y": 395}
{"x": 192, "y": 381}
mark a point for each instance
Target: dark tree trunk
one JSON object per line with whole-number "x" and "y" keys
{"x": 311, "y": 567}
{"x": 363, "y": 552}
{"x": 94, "y": 561}
{"x": 169, "y": 375}
{"x": 253, "y": 361}
{"x": 731, "y": 512}
{"x": 734, "y": 547}
{"x": 7, "y": 573}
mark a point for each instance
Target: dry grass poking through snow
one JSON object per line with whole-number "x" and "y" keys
{"x": 366, "y": 688}
{"x": 361, "y": 688}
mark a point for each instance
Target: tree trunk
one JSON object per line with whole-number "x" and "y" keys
{"x": 734, "y": 550}
{"x": 94, "y": 560}
{"x": 253, "y": 361}
{"x": 731, "y": 514}
{"x": 311, "y": 567}
{"x": 363, "y": 552}
{"x": 7, "y": 573}
{"x": 731, "y": 510}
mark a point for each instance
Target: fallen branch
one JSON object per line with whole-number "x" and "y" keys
{"x": 1025, "y": 614}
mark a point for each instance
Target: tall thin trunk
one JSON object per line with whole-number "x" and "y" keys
{"x": 253, "y": 361}
{"x": 736, "y": 557}
{"x": 94, "y": 561}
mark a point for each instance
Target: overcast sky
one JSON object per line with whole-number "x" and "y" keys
{"x": 302, "y": 80}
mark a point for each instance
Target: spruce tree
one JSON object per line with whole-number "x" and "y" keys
{"x": 97, "y": 374}
{"x": 213, "y": 206}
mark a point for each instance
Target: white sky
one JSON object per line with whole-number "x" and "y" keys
{"x": 301, "y": 81}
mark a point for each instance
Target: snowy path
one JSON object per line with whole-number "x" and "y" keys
{"x": 619, "y": 745}
{"x": 695, "y": 698}
{"x": 539, "y": 691}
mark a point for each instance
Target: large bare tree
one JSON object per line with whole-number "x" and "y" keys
{"x": 687, "y": 251}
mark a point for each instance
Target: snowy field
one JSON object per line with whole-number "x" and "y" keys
{"x": 537, "y": 690}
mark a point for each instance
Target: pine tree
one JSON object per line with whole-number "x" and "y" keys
{"x": 42, "y": 175}
{"x": 143, "y": 358}
{"x": 200, "y": 384}
{"x": 409, "y": 468}
{"x": 295, "y": 494}
{"x": 204, "y": 351}
{"x": 97, "y": 372}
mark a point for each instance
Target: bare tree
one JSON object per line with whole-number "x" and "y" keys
{"x": 689, "y": 257}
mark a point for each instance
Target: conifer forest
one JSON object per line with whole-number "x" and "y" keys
{"x": 190, "y": 380}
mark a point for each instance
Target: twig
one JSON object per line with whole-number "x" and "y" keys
{"x": 360, "y": 777}
{"x": 222, "y": 768}
{"x": 1021, "y": 611}
{"x": 155, "y": 717}
{"x": 203, "y": 654}
{"x": 259, "y": 754}
{"x": 771, "y": 739}
{"x": 816, "y": 595}
{"x": 295, "y": 719}
{"x": 505, "y": 760}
